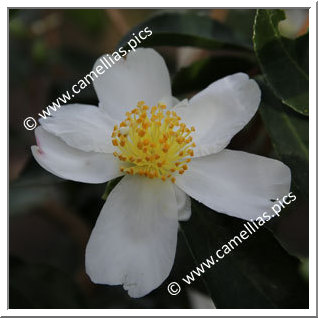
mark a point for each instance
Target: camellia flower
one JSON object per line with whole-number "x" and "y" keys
{"x": 294, "y": 24}
{"x": 167, "y": 151}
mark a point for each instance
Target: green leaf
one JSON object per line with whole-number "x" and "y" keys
{"x": 109, "y": 187}
{"x": 202, "y": 73}
{"x": 289, "y": 133}
{"x": 258, "y": 273}
{"x": 187, "y": 29}
{"x": 282, "y": 61}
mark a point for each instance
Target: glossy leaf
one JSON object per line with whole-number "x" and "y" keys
{"x": 282, "y": 61}
{"x": 258, "y": 273}
{"x": 186, "y": 29}
{"x": 289, "y": 133}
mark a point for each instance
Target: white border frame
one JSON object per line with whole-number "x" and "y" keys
{"x": 312, "y": 165}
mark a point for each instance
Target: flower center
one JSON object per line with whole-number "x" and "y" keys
{"x": 153, "y": 142}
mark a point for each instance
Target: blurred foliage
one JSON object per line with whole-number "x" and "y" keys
{"x": 51, "y": 219}
{"x": 198, "y": 74}
{"x": 91, "y": 21}
{"x": 241, "y": 20}
{"x": 284, "y": 62}
{"x": 290, "y": 134}
{"x": 188, "y": 29}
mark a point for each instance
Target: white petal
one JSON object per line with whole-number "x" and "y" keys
{"x": 134, "y": 240}
{"x": 184, "y": 204}
{"x": 72, "y": 164}
{"x": 236, "y": 183}
{"x": 84, "y": 127}
{"x": 220, "y": 111}
{"x": 294, "y": 22}
{"x": 143, "y": 76}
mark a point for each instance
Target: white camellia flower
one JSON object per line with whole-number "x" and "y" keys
{"x": 167, "y": 151}
{"x": 294, "y": 22}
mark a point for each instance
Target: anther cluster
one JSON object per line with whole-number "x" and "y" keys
{"x": 153, "y": 142}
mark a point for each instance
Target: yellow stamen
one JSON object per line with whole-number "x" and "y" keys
{"x": 152, "y": 142}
